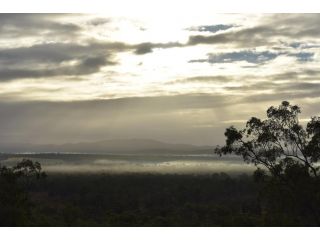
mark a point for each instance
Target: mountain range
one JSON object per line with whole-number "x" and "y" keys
{"x": 116, "y": 146}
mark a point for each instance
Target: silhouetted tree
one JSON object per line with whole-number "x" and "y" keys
{"x": 14, "y": 185}
{"x": 285, "y": 153}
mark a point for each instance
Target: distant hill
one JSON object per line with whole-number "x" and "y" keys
{"x": 111, "y": 146}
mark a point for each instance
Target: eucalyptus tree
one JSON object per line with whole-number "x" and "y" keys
{"x": 286, "y": 155}
{"x": 277, "y": 143}
{"x": 15, "y": 183}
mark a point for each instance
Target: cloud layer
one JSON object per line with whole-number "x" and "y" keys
{"x": 93, "y": 77}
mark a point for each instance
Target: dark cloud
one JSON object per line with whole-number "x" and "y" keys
{"x": 144, "y": 48}
{"x": 248, "y": 56}
{"x": 148, "y": 47}
{"x": 294, "y": 89}
{"x": 204, "y": 79}
{"x": 252, "y": 82}
{"x": 285, "y": 76}
{"x": 303, "y": 56}
{"x": 295, "y": 45}
{"x": 211, "y": 28}
{"x": 201, "y": 39}
{"x": 94, "y": 62}
{"x": 305, "y": 74}
{"x": 84, "y": 67}
{"x": 281, "y": 88}
{"x": 99, "y": 21}
{"x": 297, "y": 26}
{"x": 18, "y": 25}
{"x": 251, "y": 56}
{"x": 57, "y": 52}
{"x": 252, "y": 37}
{"x": 48, "y": 59}
{"x": 300, "y": 84}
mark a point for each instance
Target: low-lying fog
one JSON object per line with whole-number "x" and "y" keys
{"x": 181, "y": 164}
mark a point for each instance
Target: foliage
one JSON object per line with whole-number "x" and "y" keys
{"x": 14, "y": 185}
{"x": 285, "y": 153}
{"x": 145, "y": 200}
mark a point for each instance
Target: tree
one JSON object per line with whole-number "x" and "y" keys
{"x": 14, "y": 186}
{"x": 285, "y": 154}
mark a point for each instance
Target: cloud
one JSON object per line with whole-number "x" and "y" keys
{"x": 295, "y": 87}
{"x": 93, "y": 62}
{"x": 99, "y": 21}
{"x": 268, "y": 90}
{"x": 247, "y": 55}
{"x": 56, "y": 59}
{"x": 252, "y": 56}
{"x": 211, "y": 28}
{"x": 303, "y": 56}
{"x": 245, "y": 37}
{"x": 144, "y": 48}
{"x": 148, "y": 47}
{"x": 18, "y": 25}
{"x": 305, "y": 74}
{"x": 49, "y": 59}
{"x": 84, "y": 67}
{"x": 57, "y": 52}
{"x": 295, "y": 45}
{"x": 204, "y": 79}
{"x": 301, "y": 84}
{"x": 286, "y": 26}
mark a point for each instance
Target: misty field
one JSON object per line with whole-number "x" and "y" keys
{"x": 135, "y": 190}
{"x": 139, "y": 190}
{"x": 133, "y": 163}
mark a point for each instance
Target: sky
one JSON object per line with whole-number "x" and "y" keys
{"x": 179, "y": 79}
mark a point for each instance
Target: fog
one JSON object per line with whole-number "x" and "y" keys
{"x": 117, "y": 164}
{"x": 173, "y": 167}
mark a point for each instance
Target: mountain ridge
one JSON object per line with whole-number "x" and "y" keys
{"x": 133, "y": 145}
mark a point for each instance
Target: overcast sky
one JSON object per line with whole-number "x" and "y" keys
{"x": 83, "y": 77}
